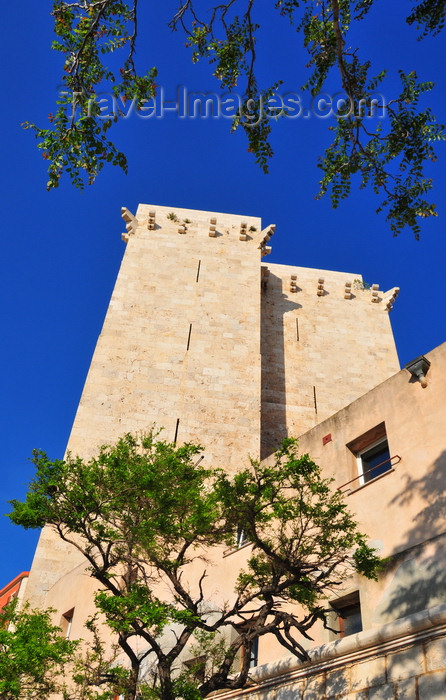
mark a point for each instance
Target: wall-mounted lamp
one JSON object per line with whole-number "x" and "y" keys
{"x": 418, "y": 369}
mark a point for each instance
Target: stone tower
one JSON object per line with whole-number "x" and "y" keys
{"x": 205, "y": 340}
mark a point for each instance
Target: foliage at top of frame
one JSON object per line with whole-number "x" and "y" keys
{"x": 389, "y": 155}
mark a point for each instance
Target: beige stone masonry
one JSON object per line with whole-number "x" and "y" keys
{"x": 179, "y": 348}
{"x": 322, "y": 347}
{"x": 390, "y": 662}
{"x": 180, "y": 344}
{"x": 206, "y": 340}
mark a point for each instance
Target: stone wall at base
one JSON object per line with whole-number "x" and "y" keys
{"x": 404, "y": 660}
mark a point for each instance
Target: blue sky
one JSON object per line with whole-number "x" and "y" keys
{"x": 61, "y": 250}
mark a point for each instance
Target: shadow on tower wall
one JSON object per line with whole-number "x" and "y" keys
{"x": 419, "y": 580}
{"x": 273, "y": 424}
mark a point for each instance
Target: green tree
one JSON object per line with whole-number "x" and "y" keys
{"x": 33, "y": 654}
{"x": 389, "y": 155}
{"x": 143, "y": 511}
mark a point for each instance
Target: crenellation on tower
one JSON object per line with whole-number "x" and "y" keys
{"x": 131, "y": 224}
{"x": 390, "y": 297}
{"x": 201, "y": 222}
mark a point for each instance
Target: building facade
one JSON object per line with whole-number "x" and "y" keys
{"x": 14, "y": 589}
{"x": 207, "y": 340}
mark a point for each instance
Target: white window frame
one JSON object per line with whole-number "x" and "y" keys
{"x": 360, "y": 463}
{"x": 254, "y": 658}
{"x": 240, "y": 537}
{"x": 67, "y": 623}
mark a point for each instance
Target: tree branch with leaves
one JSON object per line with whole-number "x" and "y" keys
{"x": 152, "y": 523}
{"x": 388, "y": 154}
{"x": 33, "y": 654}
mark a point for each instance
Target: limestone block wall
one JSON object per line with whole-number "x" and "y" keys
{"x": 180, "y": 342}
{"x": 325, "y": 341}
{"x": 405, "y": 660}
{"x": 179, "y": 348}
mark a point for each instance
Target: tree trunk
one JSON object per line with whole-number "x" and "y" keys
{"x": 133, "y": 683}
{"x": 164, "y": 675}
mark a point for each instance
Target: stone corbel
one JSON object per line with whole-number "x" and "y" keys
{"x": 131, "y": 223}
